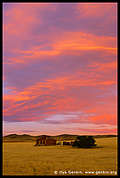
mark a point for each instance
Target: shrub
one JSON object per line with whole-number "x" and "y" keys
{"x": 84, "y": 142}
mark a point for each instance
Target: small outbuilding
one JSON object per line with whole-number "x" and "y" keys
{"x": 43, "y": 140}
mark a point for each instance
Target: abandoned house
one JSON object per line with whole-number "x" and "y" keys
{"x": 43, "y": 140}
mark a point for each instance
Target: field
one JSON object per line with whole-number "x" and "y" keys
{"x": 22, "y": 158}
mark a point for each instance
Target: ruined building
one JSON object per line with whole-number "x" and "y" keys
{"x": 43, "y": 140}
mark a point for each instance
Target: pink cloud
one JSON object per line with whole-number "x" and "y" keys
{"x": 97, "y": 10}
{"x": 57, "y": 65}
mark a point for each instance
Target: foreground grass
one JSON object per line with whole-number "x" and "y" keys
{"x": 22, "y": 158}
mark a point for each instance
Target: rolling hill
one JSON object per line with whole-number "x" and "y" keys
{"x": 26, "y": 137}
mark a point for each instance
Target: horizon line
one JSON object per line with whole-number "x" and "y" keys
{"x": 61, "y": 134}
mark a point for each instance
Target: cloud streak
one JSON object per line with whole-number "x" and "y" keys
{"x": 60, "y": 67}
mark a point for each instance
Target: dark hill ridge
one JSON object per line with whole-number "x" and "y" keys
{"x": 26, "y": 137}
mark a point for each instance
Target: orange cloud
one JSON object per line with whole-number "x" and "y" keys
{"x": 83, "y": 41}
{"x": 59, "y": 84}
{"x": 104, "y": 119}
{"x": 96, "y": 10}
{"x": 68, "y": 43}
{"x": 22, "y": 15}
{"x": 84, "y": 93}
{"x": 104, "y": 66}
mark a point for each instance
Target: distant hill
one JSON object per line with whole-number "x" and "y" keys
{"x": 15, "y": 137}
{"x": 26, "y": 137}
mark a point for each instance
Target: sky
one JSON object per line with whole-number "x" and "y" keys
{"x": 60, "y": 68}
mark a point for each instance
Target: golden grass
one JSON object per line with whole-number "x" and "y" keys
{"x": 22, "y": 158}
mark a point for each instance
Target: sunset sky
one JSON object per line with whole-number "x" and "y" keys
{"x": 59, "y": 68}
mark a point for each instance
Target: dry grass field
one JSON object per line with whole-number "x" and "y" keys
{"x": 22, "y": 158}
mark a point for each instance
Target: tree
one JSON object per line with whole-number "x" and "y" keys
{"x": 84, "y": 142}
